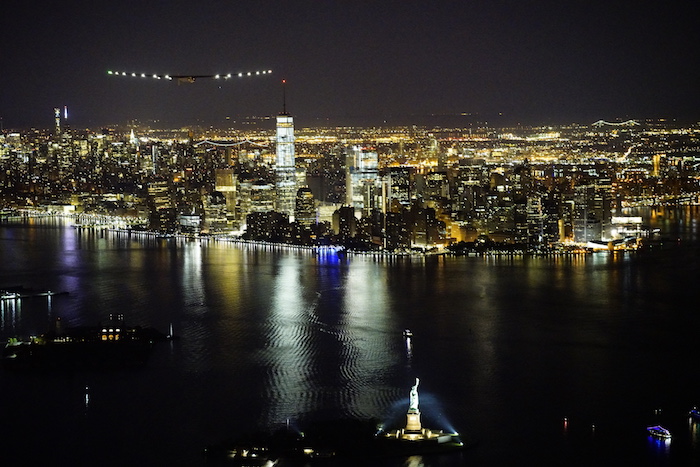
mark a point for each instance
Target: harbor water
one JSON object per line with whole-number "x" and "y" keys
{"x": 560, "y": 360}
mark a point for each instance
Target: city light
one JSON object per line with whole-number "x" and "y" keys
{"x": 388, "y": 190}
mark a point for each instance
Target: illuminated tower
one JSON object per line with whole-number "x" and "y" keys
{"x": 305, "y": 208}
{"x": 363, "y": 187}
{"x": 225, "y": 183}
{"x": 285, "y": 183}
{"x": 57, "y": 119}
{"x": 400, "y": 187}
{"x": 656, "y": 167}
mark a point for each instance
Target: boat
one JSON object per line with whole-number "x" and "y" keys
{"x": 15, "y": 293}
{"x": 407, "y": 334}
{"x": 6, "y": 295}
{"x": 657, "y": 431}
{"x": 109, "y": 345}
{"x": 694, "y": 414}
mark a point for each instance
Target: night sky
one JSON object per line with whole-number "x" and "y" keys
{"x": 350, "y": 62}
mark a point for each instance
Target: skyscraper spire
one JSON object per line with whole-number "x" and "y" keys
{"x": 284, "y": 97}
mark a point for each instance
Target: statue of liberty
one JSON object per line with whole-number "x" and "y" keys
{"x": 413, "y": 397}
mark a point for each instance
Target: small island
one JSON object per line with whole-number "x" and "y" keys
{"x": 347, "y": 439}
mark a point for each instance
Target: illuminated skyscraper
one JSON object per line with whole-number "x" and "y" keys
{"x": 400, "y": 186}
{"x": 305, "y": 209}
{"x": 285, "y": 183}
{"x": 57, "y": 119}
{"x": 225, "y": 183}
{"x": 363, "y": 190}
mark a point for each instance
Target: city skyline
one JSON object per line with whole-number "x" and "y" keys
{"x": 387, "y": 63}
{"x": 389, "y": 189}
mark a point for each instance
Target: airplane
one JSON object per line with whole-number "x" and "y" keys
{"x": 189, "y": 78}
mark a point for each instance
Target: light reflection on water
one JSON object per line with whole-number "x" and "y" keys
{"x": 193, "y": 330}
{"x": 10, "y": 313}
{"x": 288, "y": 354}
{"x": 694, "y": 429}
{"x": 319, "y": 354}
{"x": 371, "y": 342}
{"x": 270, "y": 335}
{"x": 660, "y": 448}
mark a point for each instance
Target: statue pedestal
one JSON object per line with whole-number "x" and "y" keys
{"x": 413, "y": 420}
{"x": 415, "y": 438}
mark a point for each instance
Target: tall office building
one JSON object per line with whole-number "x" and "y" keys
{"x": 305, "y": 209}
{"x": 363, "y": 190}
{"x": 400, "y": 186}
{"x": 57, "y": 121}
{"x": 225, "y": 183}
{"x": 591, "y": 214}
{"x": 285, "y": 172}
{"x": 284, "y": 169}
{"x": 161, "y": 203}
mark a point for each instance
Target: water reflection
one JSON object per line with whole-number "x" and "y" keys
{"x": 659, "y": 448}
{"x": 368, "y": 331}
{"x": 329, "y": 340}
{"x": 694, "y": 428}
{"x": 673, "y": 223}
{"x": 10, "y": 314}
{"x": 196, "y": 336}
{"x": 292, "y": 335}
{"x": 289, "y": 346}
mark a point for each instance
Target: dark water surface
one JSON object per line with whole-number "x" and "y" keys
{"x": 506, "y": 348}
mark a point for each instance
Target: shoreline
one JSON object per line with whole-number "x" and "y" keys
{"x": 122, "y": 225}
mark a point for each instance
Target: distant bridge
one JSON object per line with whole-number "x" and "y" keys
{"x": 625, "y": 123}
{"x": 225, "y": 144}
